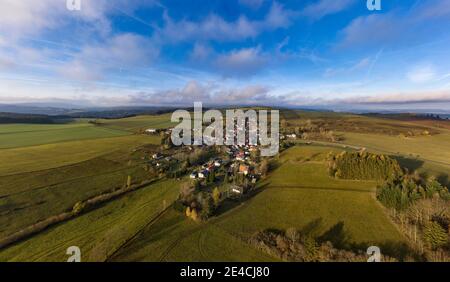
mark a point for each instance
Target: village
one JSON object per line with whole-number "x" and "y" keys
{"x": 209, "y": 175}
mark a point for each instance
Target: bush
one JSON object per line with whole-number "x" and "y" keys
{"x": 435, "y": 235}
{"x": 78, "y": 208}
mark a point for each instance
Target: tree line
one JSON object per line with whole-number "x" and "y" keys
{"x": 362, "y": 166}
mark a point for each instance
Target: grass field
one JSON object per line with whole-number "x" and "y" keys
{"x": 133, "y": 124}
{"x": 297, "y": 194}
{"x": 19, "y": 160}
{"x": 434, "y": 148}
{"x": 45, "y": 169}
{"x": 21, "y": 207}
{"x": 77, "y": 161}
{"x": 100, "y": 232}
{"x": 22, "y": 135}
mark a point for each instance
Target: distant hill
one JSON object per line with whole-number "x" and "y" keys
{"x": 112, "y": 112}
{"x": 34, "y": 110}
{"x": 25, "y": 118}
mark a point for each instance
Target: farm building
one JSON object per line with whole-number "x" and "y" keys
{"x": 151, "y": 130}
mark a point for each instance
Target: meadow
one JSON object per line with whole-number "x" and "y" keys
{"x": 133, "y": 124}
{"x": 100, "y": 232}
{"x": 298, "y": 194}
{"x": 46, "y": 168}
{"x": 22, "y": 135}
{"x": 42, "y": 180}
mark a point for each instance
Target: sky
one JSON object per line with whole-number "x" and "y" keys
{"x": 296, "y": 53}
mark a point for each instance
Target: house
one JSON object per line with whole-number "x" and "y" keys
{"x": 209, "y": 167}
{"x": 293, "y": 136}
{"x": 193, "y": 175}
{"x": 253, "y": 149}
{"x": 203, "y": 174}
{"x": 235, "y": 190}
{"x": 151, "y": 130}
{"x": 157, "y": 156}
{"x": 244, "y": 169}
{"x": 240, "y": 156}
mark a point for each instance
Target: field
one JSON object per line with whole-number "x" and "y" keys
{"x": 100, "y": 232}
{"x": 46, "y": 169}
{"x": 133, "y": 124}
{"x": 298, "y": 194}
{"x": 22, "y": 135}
{"x": 41, "y": 180}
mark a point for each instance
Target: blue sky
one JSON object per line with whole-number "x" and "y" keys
{"x": 311, "y": 53}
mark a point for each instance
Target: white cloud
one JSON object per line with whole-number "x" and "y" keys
{"x": 422, "y": 73}
{"x": 214, "y": 27}
{"x": 119, "y": 52}
{"x": 245, "y": 61}
{"x": 395, "y": 27}
{"x": 324, "y": 8}
{"x": 200, "y": 52}
{"x": 209, "y": 94}
{"x": 372, "y": 30}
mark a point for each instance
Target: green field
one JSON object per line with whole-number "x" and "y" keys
{"x": 20, "y": 160}
{"x": 38, "y": 181}
{"x": 22, "y": 135}
{"x": 100, "y": 232}
{"x": 133, "y": 124}
{"x": 46, "y": 169}
{"x": 433, "y": 148}
{"x": 299, "y": 193}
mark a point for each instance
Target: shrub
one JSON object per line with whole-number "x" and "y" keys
{"x": 78, "y": 208}
{"x": 435, "y": 235}
{"x": 216, "y": 196}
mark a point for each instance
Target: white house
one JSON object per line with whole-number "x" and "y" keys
{"x": 203, "y": 174}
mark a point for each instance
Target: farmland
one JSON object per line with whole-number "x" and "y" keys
{"x": 99, "y": 232}
{"x": 47, "y": 168}
{"x": 23, "y": 135}
{"x": 298, "y": 194}
{"x": 41, "y": 180}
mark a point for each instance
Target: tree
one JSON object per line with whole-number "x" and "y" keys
{"x": 207, "y": 205}
{"x": 166, "y": 141}
{"x": 129, "y": 181}
{"x": 194, "y": 214}
{"x": 78, "y": 208}
{"x": 216, "y": 196}
{"x": 211, "y": 177}
{"x": 264, "y": 168}
{"x": 292, "y": 234}
{"x": 434, "y": 235}
{"x": 226, "y": 178}
{"x": 187, "y": 193}
{"x": 188, "y": 212}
